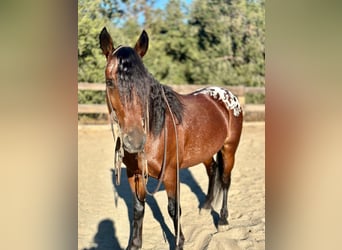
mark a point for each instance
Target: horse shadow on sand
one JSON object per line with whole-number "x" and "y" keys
{"x": 105, "y": 237}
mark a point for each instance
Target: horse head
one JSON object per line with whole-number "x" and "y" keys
{"x": 127, "y": 89}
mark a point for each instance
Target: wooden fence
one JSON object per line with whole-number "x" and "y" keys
{"x": 251, "y": 111}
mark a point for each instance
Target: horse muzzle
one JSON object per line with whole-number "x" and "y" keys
{"x": 134, "y": 141}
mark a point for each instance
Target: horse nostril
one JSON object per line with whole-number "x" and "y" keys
{"x": 134, "y": 142}
{"x": 127, "y": 139}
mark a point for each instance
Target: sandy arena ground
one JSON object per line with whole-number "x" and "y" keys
{"x": 104, "y": 210}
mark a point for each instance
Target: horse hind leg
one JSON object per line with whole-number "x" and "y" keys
{"x": 226, "y": 158}
{"x": 219, "y": 174}
{"x": 211, "y": 167}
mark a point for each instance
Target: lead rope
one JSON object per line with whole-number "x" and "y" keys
{"x": 118, "y": 143}
{"x": 145, "y": 165}
{"x": 177, "y": 170}
{"x": 164, "y": 163}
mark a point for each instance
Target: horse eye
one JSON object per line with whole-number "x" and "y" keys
{"x": 109, "y": 83}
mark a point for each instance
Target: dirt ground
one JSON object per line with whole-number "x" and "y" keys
{"x": 104, "y": 210}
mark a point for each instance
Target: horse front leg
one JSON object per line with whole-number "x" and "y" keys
{"x": 138, "y": 211}
{"x": 172, "y": 209}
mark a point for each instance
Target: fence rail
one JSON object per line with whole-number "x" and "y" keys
{"x": 240, "y": 91}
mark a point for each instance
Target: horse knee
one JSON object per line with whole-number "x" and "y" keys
{"x": 139, "y": 208}
{"x": 172, "y": 207}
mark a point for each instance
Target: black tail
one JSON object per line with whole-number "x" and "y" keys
{"x": 217, "y": 201}
{"x": 219, "y": 161}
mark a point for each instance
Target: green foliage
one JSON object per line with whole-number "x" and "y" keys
{"x": 217, "y": 42}
{"x": 230, "y": 42}
{"x": 90, "y": 96}
{"x": 255, "y": 98}
{"x": 90, "y": 59}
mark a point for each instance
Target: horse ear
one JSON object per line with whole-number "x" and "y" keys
{"x": 142, "y": 44}
{"x": 106, "y": 42}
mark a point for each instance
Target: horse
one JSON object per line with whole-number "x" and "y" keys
{"x": 162, "y": 131}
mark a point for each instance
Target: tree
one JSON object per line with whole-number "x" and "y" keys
{"x": 229, "y": 41}
{"x": 90, "y": 59}
{"x": 216, "y": 42}
{"x": 219, "y": 42}
{"x": 176, "y": 43}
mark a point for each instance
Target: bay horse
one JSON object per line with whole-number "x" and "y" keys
{"x": 163, "y": 131}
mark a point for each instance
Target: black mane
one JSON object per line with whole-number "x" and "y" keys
{"x": 132, "y": 75}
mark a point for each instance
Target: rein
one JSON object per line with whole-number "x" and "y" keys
{"x": 145, "y": 165}
{"x": 177, "y": 169}
{"x": 161, "y": 177}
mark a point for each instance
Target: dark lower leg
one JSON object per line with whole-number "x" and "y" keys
{"x": 210, "y": 195}
{"x": 137, "y": 224}
{"x": 172, "y": 209}
{"x": 224, "y": 210}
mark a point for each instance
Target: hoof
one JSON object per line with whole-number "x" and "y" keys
{"x": 223, "y": 228}
{"x": 180, "y": 242}
{"x": 223, "y": 225}
{"x": 133, "y": 248}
